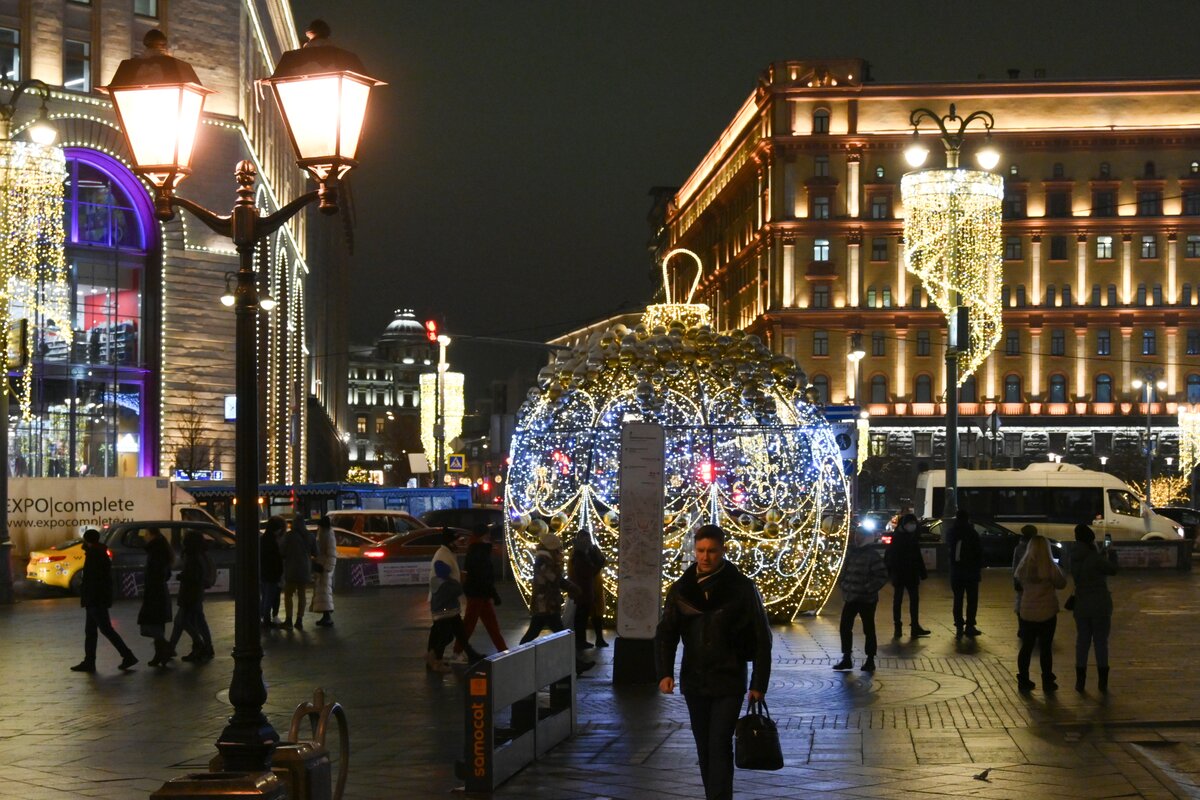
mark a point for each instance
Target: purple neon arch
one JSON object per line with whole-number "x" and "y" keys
{"x": 143, "y": 210}
{"x": 134, "y": 189}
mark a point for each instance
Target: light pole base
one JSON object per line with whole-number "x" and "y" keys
{"x": 213, "y": 785}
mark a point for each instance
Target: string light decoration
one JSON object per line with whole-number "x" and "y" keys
{"x": 33, "y": 270}
{"x": 952, "y": 221}
{"x": 452, "y": 410}
{"x": 1189, "y": 441}
{"x": 745, "y": 450}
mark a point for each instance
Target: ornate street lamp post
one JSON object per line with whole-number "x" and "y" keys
{"x": 952, "y": 220}
{"x": 1150, "y": 380}
{"x": 322, "y": 93}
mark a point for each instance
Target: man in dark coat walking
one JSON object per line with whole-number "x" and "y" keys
{"x": 95, "y": 596}
{"x": 718, "y": 614}
{"x": 906, "y": 568}
{"x": 156, "y": 598}
{"x": 966, "y": 571}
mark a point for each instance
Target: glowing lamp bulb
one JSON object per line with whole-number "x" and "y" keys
{"x": 988, "y": 157}
{"x": 916, "y": 153}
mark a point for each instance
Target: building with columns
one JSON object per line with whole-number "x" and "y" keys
{"x": 143, "y": 387}
{"x": 797, "y": 216}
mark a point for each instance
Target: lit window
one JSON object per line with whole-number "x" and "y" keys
{"x": 1013, "y": 169}
{"x": 1104, "y": 247}
{"x": 379, "y": 423}
{"x": 77, "y": 66}
{"x": 145, "y": 8}
{"x": 1149, "y": 246}
{"x": 1149, "y": 346}
{"x": 1103, "y": 343}
{"x": 878, "y": 444}
{"x": 871, "y": 297}
{"x": 821, "y": 250}
{"x": 361, "y": 423}
{"x": 887, "y": 297}
{"x": 879, "y": 172}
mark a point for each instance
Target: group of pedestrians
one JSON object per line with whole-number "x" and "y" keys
{"x": 1037, "y": 579}
{"x": 291, "y": 559}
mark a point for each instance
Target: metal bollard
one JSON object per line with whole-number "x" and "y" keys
{"x": 303, "y": 767}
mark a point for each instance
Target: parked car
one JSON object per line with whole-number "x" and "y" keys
{"x": 376, "y": 524}
{"x": 62, "y": 565}
{"x": 872, "y": 524}
{"x": 1188, "y": 519}
{"x": 998, "y": 542}
{"x": 465, "y": 519}
{"x": 421, "y": 543}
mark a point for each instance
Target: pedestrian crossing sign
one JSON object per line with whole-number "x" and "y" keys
{"x": 456, "y": 462}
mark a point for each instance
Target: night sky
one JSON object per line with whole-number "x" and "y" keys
{"x": 506, "y": 168}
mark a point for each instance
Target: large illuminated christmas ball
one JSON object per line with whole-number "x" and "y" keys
{"x": 745, "y": 450}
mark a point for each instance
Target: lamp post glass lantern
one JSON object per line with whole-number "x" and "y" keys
{"x": 159, "y": 102}
{"x": 952, "y": 231}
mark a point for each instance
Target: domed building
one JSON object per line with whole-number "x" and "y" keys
{"x": 385, "y": 397}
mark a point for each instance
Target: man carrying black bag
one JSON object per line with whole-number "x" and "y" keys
{"x": 718, "y": 614}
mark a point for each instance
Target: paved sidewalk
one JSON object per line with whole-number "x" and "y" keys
{"x": 935, "y": 715}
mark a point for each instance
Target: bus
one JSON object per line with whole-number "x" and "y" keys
{"x": 1053, "y": 497}
{"x": 311, "y": 501}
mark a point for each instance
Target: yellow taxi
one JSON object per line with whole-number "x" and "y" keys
{"x": 60, "y": 565}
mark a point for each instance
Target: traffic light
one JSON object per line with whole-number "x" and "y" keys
{"x": 431, "y": 331}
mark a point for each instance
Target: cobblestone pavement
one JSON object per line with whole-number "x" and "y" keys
{"x": 938, "y": 718}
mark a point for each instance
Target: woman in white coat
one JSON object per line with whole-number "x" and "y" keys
{"x": 327, "y": 557}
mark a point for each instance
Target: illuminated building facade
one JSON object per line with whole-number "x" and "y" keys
{"x": 146, "y": 376}
{"x": 797, "y": 214}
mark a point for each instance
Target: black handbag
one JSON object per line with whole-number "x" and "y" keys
{"x": 756, "y": 739}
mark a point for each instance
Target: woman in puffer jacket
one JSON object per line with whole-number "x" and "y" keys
{"x": 1040, "y": 577}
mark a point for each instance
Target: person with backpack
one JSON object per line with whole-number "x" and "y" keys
{"x": 96, "y": 595}
{"x": 197, "y": 574}
{"x": 863, "y": 575}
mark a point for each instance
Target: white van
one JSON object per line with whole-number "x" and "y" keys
{"x": 1053, "y": 497}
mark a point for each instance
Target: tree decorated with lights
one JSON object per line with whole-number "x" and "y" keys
{"x": 745, "y": 449}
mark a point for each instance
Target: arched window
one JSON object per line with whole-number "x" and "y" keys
{"x": 820, "y": 121}
{"x": 1050, "y": 295}
{"x": 821, "y": 385}
{"x": 1057, "y": 169}
{"x": 1193, "y": 388}
{"x": 923, "y": 390}
{"x": 870, "y": 297}
{"x": 879, "y": 393}
{"x": 1104, "y": 389}
{"x": 1012, "y": 389}
{"x": 1105, "y": 169}
{"x": 1058, "y": 389}
{"x": 968, "y": 392}
{"x": 879, "y": 173}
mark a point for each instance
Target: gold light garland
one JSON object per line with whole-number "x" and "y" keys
{"x": 33, "y": 270}
{"x": 1189, "y": 441}
{"x": 453, "y": 408}
{"x": 952, "y": 220}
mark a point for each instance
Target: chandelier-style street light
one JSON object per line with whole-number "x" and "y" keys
{"x": 952, "y": 220}
{"x": 33, "y": 274}
{"x": 322, "y": 93}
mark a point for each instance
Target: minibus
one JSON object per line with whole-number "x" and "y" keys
{"x": 1053, "y": 497}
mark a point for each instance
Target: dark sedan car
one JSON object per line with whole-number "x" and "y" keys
{"x": 1188, "y": 519}
{"x": 998, "y": 542}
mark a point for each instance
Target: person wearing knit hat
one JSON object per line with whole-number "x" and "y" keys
{"x": 1090, "y": 568}
{"x": 546, "y": 600}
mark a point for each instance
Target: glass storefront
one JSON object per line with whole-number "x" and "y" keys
{"x": 89, "y": 388}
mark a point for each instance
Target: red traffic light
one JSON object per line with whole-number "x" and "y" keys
{"x": 486, "y": 487}
{"x": 431, "y": 332}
